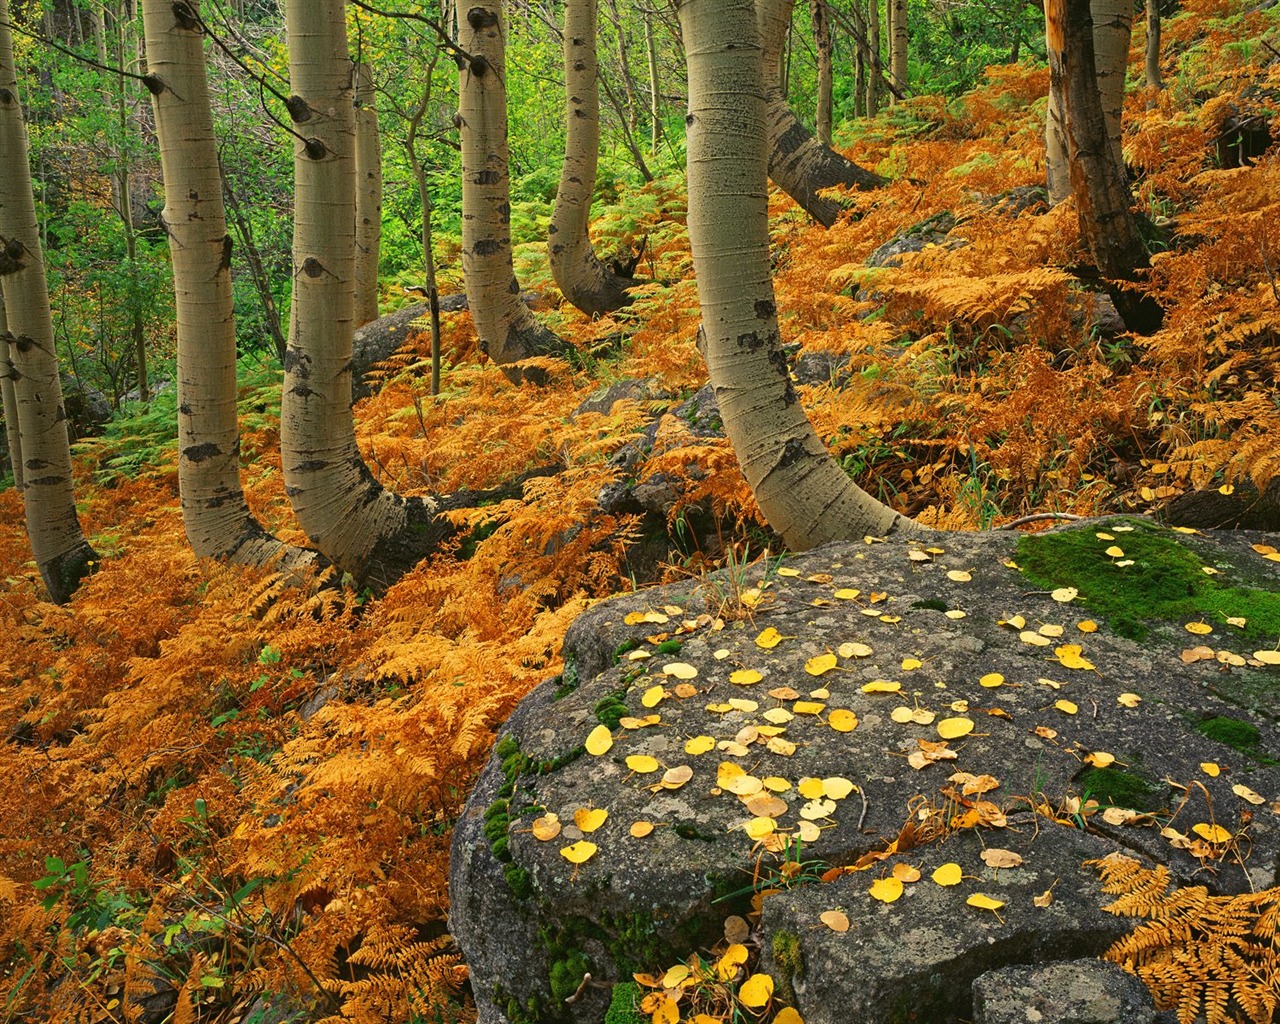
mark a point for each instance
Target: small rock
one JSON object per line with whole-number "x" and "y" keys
{"x": 1067, "y": 992}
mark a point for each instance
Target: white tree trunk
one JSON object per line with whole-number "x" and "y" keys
{"x": 61, "y": 552}
{"x": 803, "y": 494}
{"x": 368, "y": 198}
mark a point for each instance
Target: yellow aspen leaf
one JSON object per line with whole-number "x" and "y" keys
{"x": 628, "y": 722}
{"x": 959, "y": 576}
{"x": 588, "y": 819}
{"x": 911, "y": 664}
{"x": 1123, "y": 529}
{"x": 680, "y": 670}
{"x": 1263, "y": 549}
{"x": 886, "y": 890}
{"x": 784, "y": 693}
{"x": 638, "y": 656}
{"x": 1273, "y": 557}
{"x": 955, "y": 613}
{"x": 640, "y": 829}
{"x": 808, "y": 832}
{"x": 1045, "y": 733}
{"x": 847, "y": 594}
{"x": 1014, "y": 621}
{"x": 1245, "y": 793}
{"x": 820, "y": 577}
{"x": 1028, "y": 636}
{"x": 821, "y": 693}
{"x": 765, "y": 805}
{"x": 1105, "y": 536}
{"x": 721, "y": 653}
{"x": 675, "y": 976}
{"x": 837, "y": 788}
{"x": 1267, "y": 657}
{"x": 788, "y": 1015}
{"x": 854, "y": 649}
{"x": 1227, "y": 489}
{"x": 778, "y": 716}
{"x": 642, "y": 764}
{"x": 756, "y": 991}
{"x": 599, "y": 741}
{"x": 948, "y": 874}
{"x": 545, "y": 828}
{"x": 842, "y": 720}
{"x": 733, "y": 958}
{"x": 686, "y": 690}
{"x": 1065, "y": 706}
{"x": 674, "y": 778}
{"x": 901, "y": 714}
{"x": 816, "y": 809}
{"x": 1064, "y": 595}
{"x": 810, "y": 788}
{"x": 916, "y": 555}
{"x": 653, "y": 696}
{"x": 906, "y": 872}
{"x": 769, "y": 638}
{"x": 742, "y": 785}
{"x": 808, "y": 707}
{"x": 1115, "y": 552}
{"x": 1087, "y": 626}
{"x": 1051, "y": 630}
{"x": 994, "y": 857}
{"x": 1072, "y": 656}
{"x": 836, "y": 920}
{"x": 1044, "y": 899}
{"x": 699, "y": 745}
{"x": 954, "y": 728}
{"x": 775, "y": 784}
{"x": 1209, "y": 570}
{"x": 881, "y": 686}
{"x": 991, "y": 680}
{"x": 816, "y": 666}
{"x": 1099, "y": 759}
{"x": 580, "y": 852}
{"x": 1129, "y": 700}
{"x": 890, "y": 618}
{"x": 758, "y": 828}
{"x": 1211, "y": 769}
{"x": 936, "y": 550}
{"x": 728, "y": 770}
{"x": 1212, "y": 833}
{"x": 667, "y": 1010}
{"x": 742, "y": 704}
{"x": 983, "y": 902}
{"x": 788, "y": 572}
{"x": 1199, "y": 628}
{"x": 745, "y": 676}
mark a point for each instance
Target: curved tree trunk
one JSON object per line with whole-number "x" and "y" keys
{"x": 799, "y": 164}
{"x": 363, "y": 528}
{"x": 1101, "y": 192}
{"x": 1112, "y": 25}
{"x": 586, "y": 282}
{"x": 506, "y": 328}
{"x": 217, "y": 520}
{"x": 899, "y": 41}
{"x": 10, "y": 400}
{"x": 368, "y": 198}
{"x": 822, "y": 43}
{"x": 801, "y": 491}
{"x": 62, "y": 554}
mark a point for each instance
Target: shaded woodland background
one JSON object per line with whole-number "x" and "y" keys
{"x": 220, "y": 786}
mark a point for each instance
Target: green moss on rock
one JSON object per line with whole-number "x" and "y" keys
{"x": 610, "y": 710}
{"x": 1166, "y": 581}
{"x": 624, "y": 1006}
{"x": 1243, "y": 736}
{"x": 1116, "y": 788}
{"x": 788, "y": 958}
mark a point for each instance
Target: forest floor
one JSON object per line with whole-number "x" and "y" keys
{"x": 222, "y": 787}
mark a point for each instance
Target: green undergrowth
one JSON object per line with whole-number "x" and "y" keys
{"x": 1166, "y": 581}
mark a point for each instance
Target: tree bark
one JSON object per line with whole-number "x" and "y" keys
{"x": 822, "y": 43}
{"x": 360, "y": 526}
{"x": 368, "y": 198}
{"x": 1101, "y": 192}
{"x": 504, "y": 325}
{"x": 61, "y": 552}
{"x": 655, "y": 95}
{"x": 898, "y": 52}
{"x": 10, "y": 400}
{"x": 876, "y": 69}
{"x": 803, "y": 494}
{"x": 215, "y": 515}
{"x": 1154, "y": 81}
{"x": 585, "y": 281}
{"x": 798, "y": 163}
{"x": 428, "y": 207}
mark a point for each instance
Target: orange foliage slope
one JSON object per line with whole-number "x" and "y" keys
{"x": 258, "y": 783}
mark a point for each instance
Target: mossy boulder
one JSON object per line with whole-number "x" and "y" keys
{"x": 1095, "y": 707}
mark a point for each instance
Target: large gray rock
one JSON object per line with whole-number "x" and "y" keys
{"x": 1075, "y": 992}
{"x": 532, "y": 924}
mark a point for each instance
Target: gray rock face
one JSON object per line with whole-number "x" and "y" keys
{"x": 751, "y": 723}
{"x": 1075, "y": 992}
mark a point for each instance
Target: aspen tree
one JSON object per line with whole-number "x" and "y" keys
{"x": 368, "y": 198}
{"x": 803, "y": 493}
{"x": 61, "y": 552}
{"x": 821, "y": 20}
{"x": 799, "y": 164}
{"x": 585, "y": 281}
{"x": 899, "y": 41}
{"x": 10, "y": 400}
{"x": 215, "y": 515}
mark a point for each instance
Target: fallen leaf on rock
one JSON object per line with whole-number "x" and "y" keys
{"x": 778, "y": 716}
{"x": 848, "y": 594}
{"x": 787, "y": 1015}
{"x": 781, "y": 746}
{"x": 640, "y": 829}
{"x": 1063, "y": 595}
{"x": 994, "y": 857}
{"x": 854, "y": 649}
{"x": 699, "y": 745}
{"x": 836, "y": 920}
{"x": 745, "y": 676}
{"x": 1066, "y": 707}
{"x": 1245, "y": 793}
{"x": 765, "y": 805}
{"x": 769, "y": 638}
{"x": 742, "y": 704}
{"x": 758, "y": 828}
{"x": 906, "y": 872}
{"x": 599, "y": 740}
{"x": 642, "y": 764}
{"x": 580, "y": 852}
{"x": 842, "y": 720}
{"x": 954, "y": 728}
{"x": 733, "y": 958}
{"x": 815, "y": 810}
{"x": 1028, "y": 636}
{"x": 1072, "y": 656}
{"x": 984, "y": 902}
{"x": 955, "y": 613}
{"x": 886, "y": 890}
{"x": 630, "y": 722}
{"x": 1176, "y": 839}
{"x": 1044, "y": 899}
{"x": 881, "y": 686}
{"x": 775, "y": 784}
{"x": 1015, "y": 621}
{"x": 1044, "y": 732}
{"x": 676, "y": 777}
{"x": 545, "y": 828}
{"x": 911, "y": 664}
{"x": 808, "y": 832}
{"x": 1211, "y": 768}
{"x": 1129, "y": 700}
{"x": 991, "y": 680}
{"x": 1087, "y": 626}
{"x": 787, "y": 571}
{"x": 653, "y": 696}
{"x": 1267, "y": 657}
{"x": 588, "y": 819}
{"x": 959, "y": 576}
{"x": 1199, "y": 628}
{"x": 1099, "y": 759}
{"x": 837, "y": 788}
{"x": 808, "y": 707}
{"x": 948, "y": 874}
{"x": 1212, "y": 833}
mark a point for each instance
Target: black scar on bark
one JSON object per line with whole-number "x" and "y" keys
{"x": 154, "y": 84}
{"x": 793, "y": 451}
{"x": 315, "y": 149}
{"x": 479, "y": 66}
{"x": 486, "y": 247}
{"x": 750, "y": 340}
{"x": 185, "y": 17}
{"x": 312, "y": 267}
{"x": 480, "y": 17}
{"x": 487, "y": 177}
{"x": 298, "y": 109}
{"x": 227, "y": 247}
{"x": 200, "y": 452}
{"x": 765, "y": 309}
